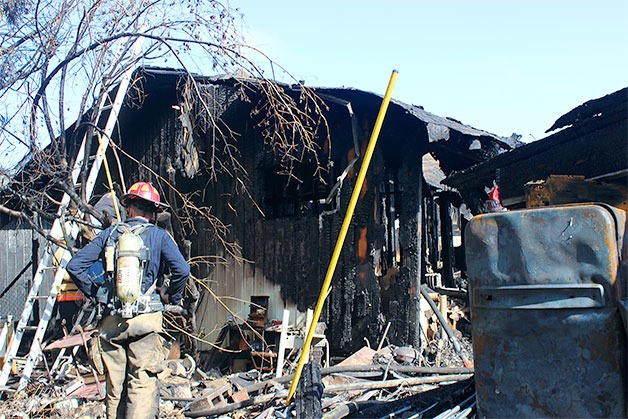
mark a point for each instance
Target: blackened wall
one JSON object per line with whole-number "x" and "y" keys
{"x": 294, "y": 250}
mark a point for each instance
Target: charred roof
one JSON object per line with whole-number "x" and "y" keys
{"x": 590, "y": 141}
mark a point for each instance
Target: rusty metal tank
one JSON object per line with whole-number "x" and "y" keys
{"x": 544, "y": 287}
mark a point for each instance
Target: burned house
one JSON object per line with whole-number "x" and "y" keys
{"x": 546, "y": 297}
{"x": 280, "y": 231}
{"x": 286, "y": 233}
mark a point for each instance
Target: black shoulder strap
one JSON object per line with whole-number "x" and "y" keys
{"x": 119, "y": 228}
{"x": 141, "y": 229}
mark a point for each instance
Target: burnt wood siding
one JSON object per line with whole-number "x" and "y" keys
{"x": 287, "y": 257}
{"x": 595, "y": 147}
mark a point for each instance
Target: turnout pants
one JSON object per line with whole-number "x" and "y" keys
{"x": 132, "y": 353}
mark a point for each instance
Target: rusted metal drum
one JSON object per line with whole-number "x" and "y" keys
{"x": 544, "y": 286}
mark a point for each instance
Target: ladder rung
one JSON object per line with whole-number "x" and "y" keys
{"x": 39, "y": 297}
{"x": 28, "y": 328}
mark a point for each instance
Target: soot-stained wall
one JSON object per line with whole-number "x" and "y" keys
{"x": 285, "y": 230}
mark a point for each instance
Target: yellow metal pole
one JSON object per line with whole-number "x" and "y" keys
{"x": 101, "y": 150}
{"x": 343, "y": 234}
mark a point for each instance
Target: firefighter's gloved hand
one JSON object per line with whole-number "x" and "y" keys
{"x": 164, "y": 296}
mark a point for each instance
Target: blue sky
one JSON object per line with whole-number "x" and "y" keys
{"x": 500, "y": 65}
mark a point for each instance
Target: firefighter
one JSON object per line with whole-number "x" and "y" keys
{"x": 129, "y": 344}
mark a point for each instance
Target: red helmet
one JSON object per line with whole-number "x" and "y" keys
{"x": 144, "y": 191}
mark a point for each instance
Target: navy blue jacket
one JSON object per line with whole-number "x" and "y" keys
{"x": 163, "y": 253}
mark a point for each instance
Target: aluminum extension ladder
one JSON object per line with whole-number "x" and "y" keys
{"x": 57, "y": 232}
